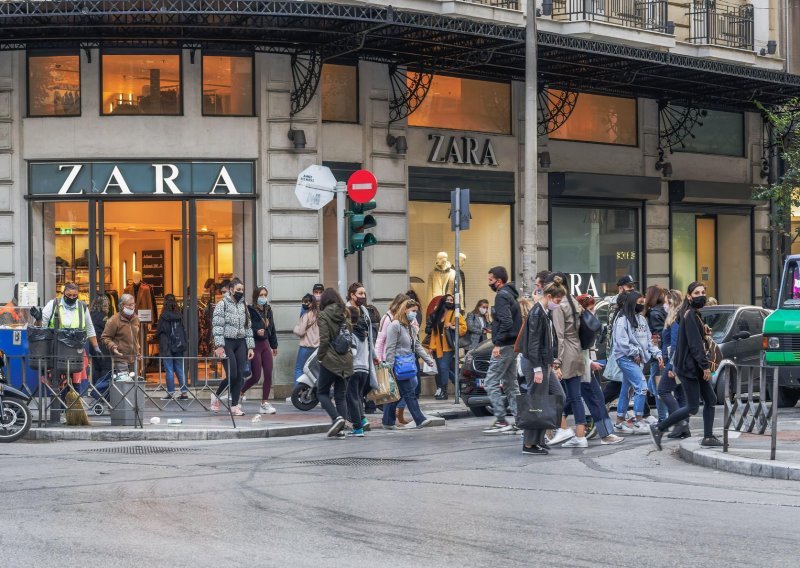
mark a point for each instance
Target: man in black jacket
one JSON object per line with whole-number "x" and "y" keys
{"x": 506, "y": 323}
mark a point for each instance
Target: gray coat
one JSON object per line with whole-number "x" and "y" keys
{"x": 400, "y": 340}
{"x": 570, "y": 354}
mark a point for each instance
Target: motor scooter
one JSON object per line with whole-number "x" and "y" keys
{"x": 15, "y": 416}
{"x": 304, "y": 394}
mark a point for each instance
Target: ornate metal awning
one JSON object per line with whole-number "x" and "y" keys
{"x": 434, "y": 43}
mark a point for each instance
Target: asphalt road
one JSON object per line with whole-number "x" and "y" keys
{"x": 459, "y": 498}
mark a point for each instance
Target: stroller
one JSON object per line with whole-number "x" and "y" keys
{"x": 99, "y": 394}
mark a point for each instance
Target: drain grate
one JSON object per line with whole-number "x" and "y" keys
{"x": 141, "y": 450}
{"x": 358, "y": 461}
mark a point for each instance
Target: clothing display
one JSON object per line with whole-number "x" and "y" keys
{"x": 145, "y": 298}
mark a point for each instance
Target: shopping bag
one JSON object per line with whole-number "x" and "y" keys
{"x": 387, "y": 391}
{"x": 429, "y": 369}
{"x": 539, "y": 412}
{"x": 612, "y": 371}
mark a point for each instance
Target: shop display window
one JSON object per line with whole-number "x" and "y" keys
{"x": 596, "y": 246}
{"x": 54, "y": 85}
{"x": 339, "y": 88}
{"x": 227, "y": 85}
{"x": 465, "y": 104}
{"x": 718, "y": 132}
{"x": 601, "y": 119}
{"x": 141, "y": 83}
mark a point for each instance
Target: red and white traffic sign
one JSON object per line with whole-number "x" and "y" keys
{"x": 362, "y": 186}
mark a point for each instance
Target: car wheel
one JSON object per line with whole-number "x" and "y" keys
{"x": 787, "y": 397}
{"x": 480, "y": 411}
{"x": 720, "y": 387}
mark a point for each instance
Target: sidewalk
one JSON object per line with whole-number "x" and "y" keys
{"x": 748, "y": 454}
{"x": 198, "y": 424}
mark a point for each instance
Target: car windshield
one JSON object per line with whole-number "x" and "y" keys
{"x": 790, "y": 289}
{"x": 718, "y": 321}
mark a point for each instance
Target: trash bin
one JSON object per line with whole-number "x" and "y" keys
{"x": 122, "y": 396}
{"x": 14, "y": 343}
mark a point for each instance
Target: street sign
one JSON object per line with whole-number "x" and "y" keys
{"x": 362, "y": 186}
{"x": 316, "y": 187}
{"x": 145, "y": 316}
{"x": 461, "y": 220}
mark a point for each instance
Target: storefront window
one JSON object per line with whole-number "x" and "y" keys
{"x": 54, "y": 85}
{"x": 142, "y": 83}
{"x": 717, "y": 132}
{"x": 602, "y": 119}
{"x": 595, "y": 246}
{"x": 227, "y": 85}
{"x": 465, "y": 104}
{"x": 339, "y": 85}
{"x": 486, "y": 244}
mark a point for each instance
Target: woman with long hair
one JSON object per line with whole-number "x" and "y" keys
{"x": 98, "y": 312}
{"x": 172, "y": 346}
{"x": 478, "y": 324}
{"x": 335, "y": 368}
{"x": 388, "y": 317}
{"x": 669, "y": 389}
{"x": 633, "y": 349}
{"x": 307, "y": 330}
{"x": 266, "y": 339}
{"x": 442, "y": 319}
{"x": 655, "y": 312}
{"x": 692, "y": 367}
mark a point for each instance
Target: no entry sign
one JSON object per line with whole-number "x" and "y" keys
{"x": 362, "y": 186}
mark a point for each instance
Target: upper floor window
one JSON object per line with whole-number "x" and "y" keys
{"x": 54, "y": 85}
{"x": 465, "y": 104}
{"x": 601, "y": 119}
{"x": 339, "y": 84}
{"x": 141, "y": 83}
{"x": 228, "y": 85}
{"x": 717, "y": 132}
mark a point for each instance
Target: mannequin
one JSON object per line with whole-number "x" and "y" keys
{"x": 144, "y": 294}
{"x": 442, "y": 278}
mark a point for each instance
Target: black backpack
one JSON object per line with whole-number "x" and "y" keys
{"x": 344, "y": 340}
{"x": 177, "y": 341}
{"x": 588, "y": 326}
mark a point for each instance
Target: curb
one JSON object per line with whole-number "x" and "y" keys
{"x": 176, "y": 434}
{"x": 692, "y": 452}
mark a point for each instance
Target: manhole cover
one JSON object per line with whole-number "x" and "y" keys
{"x": 358, "y": 461}
{"x": 140, "y": 450}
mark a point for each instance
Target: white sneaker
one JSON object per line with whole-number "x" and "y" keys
{"x": 288, "y": 400}
{"x": 562, "y": 435}
{"x": 641, "y": 427}
{"x": 611, "y": 439}
{"x": 630, "y": 415}
{"x": 623, "y": 428}
{"x": 651, "y": 419}
{"x": 576, "y": 442}
{"x": 267, "y": 408}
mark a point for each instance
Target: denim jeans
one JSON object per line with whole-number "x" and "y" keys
{"x": 632, "y": 376}
{"x": 444, "y": 370}
{"x": 415, "y": 381}
{"x": 406, "y": 389}
{"x": 303, "y": 353}
{"x": 661, "y": 406}
{"x": 174, "y": 366}
{"x": 592, "y": 394}
{"x": 503, "y": 370}
{"x": 574, "y": 399}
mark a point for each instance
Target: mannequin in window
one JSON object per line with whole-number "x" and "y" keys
{"x": 144, "y": 294}
{"x": 441, "y": 279}
{"x": 462, "y": 279}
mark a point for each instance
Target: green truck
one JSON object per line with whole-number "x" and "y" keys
{"x": 781, "y": 340}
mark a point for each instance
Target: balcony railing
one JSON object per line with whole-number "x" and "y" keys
{"x": 509, "y": 4}
{"x": 640, "y": 14}
{"x": 714, "y": 23}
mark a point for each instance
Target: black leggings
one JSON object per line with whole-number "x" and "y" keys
{"x": 326, "y": 380}
{"x": 235, "y": 360}
{"x": 355, "y": 389}
{"x": 693, "y": 390}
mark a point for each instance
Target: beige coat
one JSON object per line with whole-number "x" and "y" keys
{"x": 570, "y": 354}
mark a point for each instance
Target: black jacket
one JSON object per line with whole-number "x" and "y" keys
{"x": 101, "y": 365}
{"x": 506, "y": 317}
{"x": 257, "y": 322}
{"x": 164, "y": 330}
{"x": 690, "y": 354}
{"x": 538, "y": 343}
{"x": 656, "y": 317}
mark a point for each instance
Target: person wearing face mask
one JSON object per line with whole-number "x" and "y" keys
{"x": 233, "y": 339}
{"x": 121, "y": 335}
{"x": 633, "y": 349}
{"x": 692, "y": 367}
{"x": 478, "y": 324}
{"x": 365, "y": 321}
{"x": 266, "y": 341}
{"x": 307, "y": 329}
{"x": 442, "y": 319}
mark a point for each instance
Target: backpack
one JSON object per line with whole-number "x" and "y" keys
{"x": 344, "y": 340}
{"x": 588, "y": 326}
{"x": 177, "y": 341}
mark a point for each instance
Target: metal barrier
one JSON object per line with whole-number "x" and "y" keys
{"x": 714, "y": 23}
{"x": 744, "y": 413}
{"x": 640, "y": 14}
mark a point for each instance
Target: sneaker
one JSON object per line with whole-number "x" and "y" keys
{"x": 389, "y": 426}
{"x": 365, "y": 425}
{"x": 656, "y": 435}
{"x": 611, "y": 439}
{"x": 336, "y": 427}
{"x": 339, "y": 436}
{"x": 513, "y": 430}
{"x": 356, "y": 433}
{"x": 497, "y": 427}
{"x": 641, "y": 428}
{"x": 651, "y": 419}
{"x": 576, "y": 442}
{"x": 288, "y": 400}
{"x": 711, "y": 442}
{"x": 267, "y": 408}
{"x": 237, "y": 410}
{"x": 438, "y": 394}
{"x": 534, "y": 451}
{"x": 167, "y": 396}
{"x": 214, "y": 403}
{"x": 623, "y": 428}
{"x": 184, "y": 396}
{"x": 243, "y": 398}
{"x": 592, "y": 433}
{"x": 561, "y": 435}
{"x": 425, "y": 423}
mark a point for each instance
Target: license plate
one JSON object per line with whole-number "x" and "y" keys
{"x": 481, "y": 383}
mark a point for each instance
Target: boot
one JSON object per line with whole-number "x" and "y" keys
{"x": 400, "y": 418}
{"x": 680, "y": 431}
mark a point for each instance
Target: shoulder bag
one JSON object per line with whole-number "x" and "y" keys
{"x": 587, "y": 324}
{"x": 343, "y": 341}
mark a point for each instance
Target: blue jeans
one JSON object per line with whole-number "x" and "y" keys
{"x": 402, "y": 402}
{"x": 651, "y": 386}
{"x": 592, "y": 395}
{"x": 632, "y": 376}
{"x": 174, "y": 367}
{"x": 303, "y": 353}
{"x": 406, "y": 389}
{"x": 445, "y": 370}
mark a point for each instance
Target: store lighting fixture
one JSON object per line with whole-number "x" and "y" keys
{"x": 125, "y": 272}
{"x": 298, "y": 138}
{"x": 662, "y": 165}
{"x": 399, "y": 144}
{"x": 134, "y": 262}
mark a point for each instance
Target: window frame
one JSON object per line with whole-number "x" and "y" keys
{"x": 358, "y": 92}
{"x": 743, "y": 149}
{"x": 214, "y": 53}
{"x": 51, "y": 53}
{"x": 636, "y": 122}
{"x": 123, "y": 51}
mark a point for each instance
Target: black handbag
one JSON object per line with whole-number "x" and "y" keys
{"x": 588, "y": 326}
{"x": 539, "y": 412}
{"x": 462, "y": 341}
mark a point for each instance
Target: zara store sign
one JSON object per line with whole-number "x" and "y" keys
{"x": 461, "y": 150}
{"x": 156, "y": 178}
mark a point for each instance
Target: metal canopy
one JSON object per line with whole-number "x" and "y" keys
{"x": 441, "y": 44}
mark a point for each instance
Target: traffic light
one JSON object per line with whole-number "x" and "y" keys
{"x": 357, "y": 224}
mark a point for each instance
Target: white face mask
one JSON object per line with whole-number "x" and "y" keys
{"x": 482, "y": 311}
{"x": 411, "y": 315}
{"x": 128, "y": 311}
{"x": 552, "y": 305}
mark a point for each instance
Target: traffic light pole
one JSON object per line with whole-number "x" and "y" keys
{"x": 341, "y": 236}
{"x": 457, "y": 215}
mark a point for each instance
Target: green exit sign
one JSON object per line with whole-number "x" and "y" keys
{"x": 66, "y": 231}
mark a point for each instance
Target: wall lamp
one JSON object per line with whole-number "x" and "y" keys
{"x": 771, "y": 49}
{"x": 298, "y": 138}
{"x": 764, "y": 168}
{"x": 398, "y": 143}
{"x": 544, "y": 160}
{"x": 547, "y": 7}
{"x": 663, "y": 166}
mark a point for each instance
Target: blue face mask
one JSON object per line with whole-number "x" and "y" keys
{"x": 262, "y": 301}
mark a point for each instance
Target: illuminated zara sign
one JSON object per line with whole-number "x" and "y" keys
{"x": 461, "y": 150}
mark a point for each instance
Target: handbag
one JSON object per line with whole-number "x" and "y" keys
{"x": 461, "y": 342}
{"x": 612, "y": 371}
{"x": 405, "y": 367}
{"x": 387, "y": 391}
{"x": 429, "y": 369}
{"x": 588, "y": 326}
{"x": 343, "y": 341}
{"x": 539, "y": 412}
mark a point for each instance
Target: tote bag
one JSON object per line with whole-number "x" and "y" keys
{"x": 387, "y": 391}
{"x": 539, "y": 412}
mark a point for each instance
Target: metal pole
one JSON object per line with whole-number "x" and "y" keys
{"x": 726, "y": 412}
{"x": 774, "y": 424}
{"x": 341, "y": 273}
{"x": 457, "y": 291}
{"x": 775, "y": 256}
{"x": 530, "y": 244}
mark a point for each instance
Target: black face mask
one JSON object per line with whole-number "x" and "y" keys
{"x": 449, "y": 305}
{"x": 70, "y": 301}
{"x": 639, "y": 308}
{"x": 698, "y": 302}
{"x": 493, "y": 286}
{"x": 238, "y": 296}
{"x": 361, "y": 301}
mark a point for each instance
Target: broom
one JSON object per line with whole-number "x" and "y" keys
{"x": 76, "y": 415}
